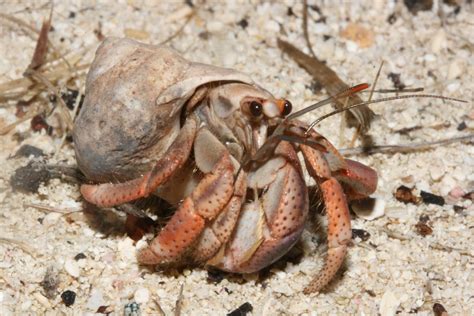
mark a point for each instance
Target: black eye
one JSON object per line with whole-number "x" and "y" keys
{"x": 287, "y": 107}
{"x": 256, "y": 108}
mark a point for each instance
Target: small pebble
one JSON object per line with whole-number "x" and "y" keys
{"x": 131, "y": 309}
{"x": 439, "y": 42}
{"x": 96, "y": 299}
{"x": 455, "y": 69}
{"x": 68, "y": 297}
{"x": 457, "y": 192}
{"x": 141, "y": 296}
{"x": 72, "y": 268}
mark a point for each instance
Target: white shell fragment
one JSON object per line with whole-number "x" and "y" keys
{"x": 369, "y": 208}
{"x": 389, "y": 304}
{"x": 72, "y": 268}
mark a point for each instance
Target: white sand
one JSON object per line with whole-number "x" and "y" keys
{"x": 384, "y": 274}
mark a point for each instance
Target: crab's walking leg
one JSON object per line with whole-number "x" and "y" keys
{"x": 109, "y": 194}
{"x": 208, "y": 199}
{"x": 339, "y": 223}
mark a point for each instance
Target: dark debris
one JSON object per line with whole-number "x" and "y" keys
{"x": 243, "y": 23}
{"x": 28, "y": 179}
{"x": 27, "y": 151}
{"x": 414, "y": 6}
{"x": 462, "y": 126}
{"x": 68, "y": 297}
{"x": 215, "y": 276}
{"x": 397, "y": 82}
{"x": 79, "y": 256}
{"x": 39, "y": 123}
{"x": 392, "y": 18}
{"x": 242, "y": 310}
{"x": 430, "y": 198}
{"x": 362, "y": 234}
{"x": 439, "y": 310}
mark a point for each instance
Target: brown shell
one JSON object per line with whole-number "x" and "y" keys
{"x": 131, "y": 111}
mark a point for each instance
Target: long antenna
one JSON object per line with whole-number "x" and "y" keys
{"x": 410, "y": 96}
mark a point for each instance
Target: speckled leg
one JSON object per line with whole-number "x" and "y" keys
{"x": 339, "y": 233}
{"x": 110, "y": 194}
{"x": 339, "y": 223}
{"x": 208, "y": 199}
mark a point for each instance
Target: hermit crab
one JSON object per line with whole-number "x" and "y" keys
{"x": 220, "y": 148}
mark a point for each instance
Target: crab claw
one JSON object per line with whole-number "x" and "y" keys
{"x": 272, "y": 223}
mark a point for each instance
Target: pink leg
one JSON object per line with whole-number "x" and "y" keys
{"x": 339, "y": 234}
{"x": 339, "y": 222}
{"x": 110, "y": 194}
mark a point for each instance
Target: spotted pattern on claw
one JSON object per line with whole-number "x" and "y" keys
{"x": 207, "y": 245}
{"x": 178, "y": 234}
{"x": 289, "y": 216}
{"x": 215, "y": 190}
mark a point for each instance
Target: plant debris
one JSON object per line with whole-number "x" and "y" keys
{"x": 430, "y": 198}
{"x": 405, "y": 195}
{"x": 41, "y": 50}
{"x": 50, "y": 282}
{"x": 79, "y": 256}
{"x": 423, "y": 229}
{"x": 397, "y": 82}
{"x": 439, "y": 310}
{"x": 242, "y": 310}
{"x": 331, "y": 82}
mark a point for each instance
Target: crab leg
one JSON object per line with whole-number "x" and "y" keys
{"x": 208, "y": 199}
{"x": 339, "y": 224}
{"x": 110, "y": 194}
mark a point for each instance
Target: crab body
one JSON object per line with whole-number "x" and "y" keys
{"x": 208, "y": 140}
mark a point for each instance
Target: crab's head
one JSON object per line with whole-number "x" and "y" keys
{"x": 249, "y": 111}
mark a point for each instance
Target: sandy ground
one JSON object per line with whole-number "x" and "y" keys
{"x": 397, "y": 270}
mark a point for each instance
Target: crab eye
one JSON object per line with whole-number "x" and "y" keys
{"x": 287, "y": 107}
{"x": 256, "y": 108}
